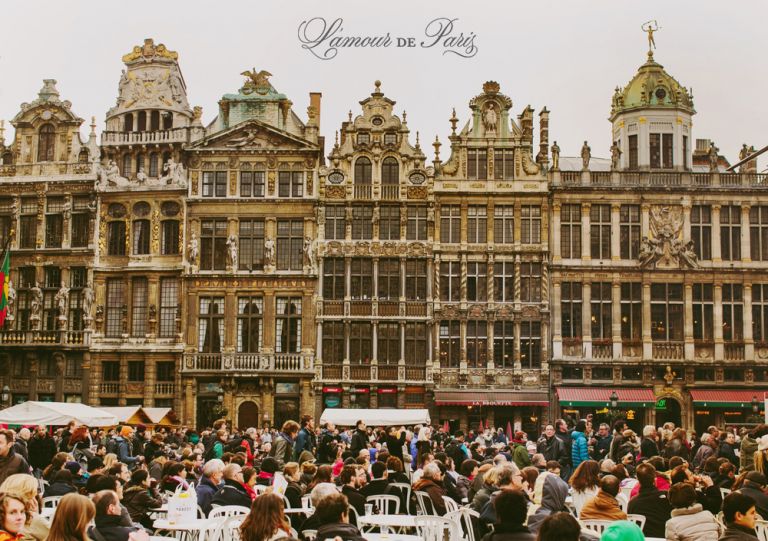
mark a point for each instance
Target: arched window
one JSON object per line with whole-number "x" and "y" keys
{"x": 167, "y": 121}
{"x": 7, "y": 158}
{"x": 390, "y": 171}
{"x": 142, "y": 121}
{"x": 153, "y": 165}
{"x": 128, "y": 122}
{"x": 141, "y": 234}
{"x": 46, "y": 143}
{"x": 127, "y": 162}
{"x": 363, "y": 171}
{"x": 139, "y": 162}
{"x": 154, "y": 120}
{"x": 83, "y": 156}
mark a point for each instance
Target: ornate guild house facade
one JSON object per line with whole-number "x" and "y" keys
{"x": 239, "y": 268}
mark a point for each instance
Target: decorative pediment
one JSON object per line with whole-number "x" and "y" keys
{"x": 253, "y": 135}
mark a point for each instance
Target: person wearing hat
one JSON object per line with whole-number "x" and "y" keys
{"x": 740, "y": 517}
{"x": 267, "y": 474}
{"x": 754, "y": 486}
{"x": 519, "y": 450}
{"x": 125, "y": 446}
{"x": 622, "y": 530}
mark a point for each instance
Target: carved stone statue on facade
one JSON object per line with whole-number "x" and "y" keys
{"x": 193, "y": 250}
{"x": 110, "y": 175}
{"x": 62, "y": 301}
{"x": 309, "y": 254}
{"x": 88, "y": 297}
{"x": 174, "y": 173}
{"x": 687, "y": 255}
{"x": 269, "y": 252}
{"x": 66, "y": 209}
{"x": 232, "y": 252}
{"x": 141, "y": 176}
{"x": 647, "y": 252}
{"x": 713, "y": 156}
{"x": 376, "y": 215}
{"x": 490, "y": 118}
{"x": 615, "y": 156}
{"x": 11, "y": 313}
{"x": 586, "y": 155}
{"x": 555, "y": 156}
{"x": 37, "y": 301}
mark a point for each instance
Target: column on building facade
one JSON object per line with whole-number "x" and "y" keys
{"x": 615, "y": 232}
{"x": 516, "y": 355}
{"x": 586, "y": 318}
{"x": 123, "y": 378}
{"x": 374, "y": 343}
{"x": 490, "y": 334}
{"x": 689, "y": 347}
{"x": 746, "y": 251}
{"x": 686, "y": 221}
{"x": 85, "y": 378}
{"x": 616, "y": 318}
{"x": 749, "y": 340}
{"x": 718, "y": 319}
{"x": 490, "y": 282}
{"x": 716, "y": 253}
{"x": 645, "y": 228}
{"x": 557, "y": 322}
{"x": 585, "y": 230}
{"x": 647, "y": 341}
{"x": 230, "y": 331}
{"x": 556, "y": 254}
{"x": 150, "y": 376}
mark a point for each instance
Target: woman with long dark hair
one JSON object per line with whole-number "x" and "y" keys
{"x": 73, "y": 515}
{"x": 585, "y": 482}
{"x": 266, "y": 521}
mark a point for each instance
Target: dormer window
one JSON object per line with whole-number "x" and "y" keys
{"x": 363, "y": 138}
{"x": 390, "y": 138}
{"x": 46, "y": 143}
{"x": 661, "y": 150}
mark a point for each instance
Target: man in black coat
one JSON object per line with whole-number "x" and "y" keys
{"x": 232, "y": 492}
{"x": 552, "y": 447}
{"x": 10, "y": 462}
{"x": 109, "y": 521}
{"x": 650, "y": 502}
{"x": 359, "y": 439}
{"x": 601, "y": 443}
{"x": 332, "y": 513}
{"x": 41, "y": 449}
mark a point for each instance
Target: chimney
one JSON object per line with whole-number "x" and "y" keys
{"x": 314, "y": 101}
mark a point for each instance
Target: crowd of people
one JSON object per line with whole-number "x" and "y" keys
{"x": 683, "y": 488}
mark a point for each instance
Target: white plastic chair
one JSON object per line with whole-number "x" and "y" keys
{"x": 424, "y": 506}
{"x": 309, "y": 535}
{"x": 450, "y": 504}
{"x": 51, "y": 502}
{"x": 260, "y": 488}
{"x": 385, "y": 503}
{"x": 405, "y": 488}
{"x": 306, "y": 502}
{"x": 227, "y": 528}
{"x": 637, "y": 519}
{"x": 464, "y": 518}
{"x": 724, "y": 492}
{"x": 596, "y": 526}
{"x": 761, "y": 528}
{"x": 430, "y": 528}
{"x": 623, "y": 501}
{"x": 229, "y": 511}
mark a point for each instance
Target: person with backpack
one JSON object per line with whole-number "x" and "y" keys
{"x": 282, "y": 448}
{"x": 457, "y": 450}
{"x": 216, "y": 447}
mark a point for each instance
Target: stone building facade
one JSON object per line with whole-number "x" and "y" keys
{"x": 375, "y": 261}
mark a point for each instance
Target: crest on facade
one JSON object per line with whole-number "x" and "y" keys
{"x": 257, "y": 81}
{"x": 150, "y": 51}
{"x": 665, "y": 249}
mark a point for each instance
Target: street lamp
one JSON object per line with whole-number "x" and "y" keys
{"x": 614, "y": 398}
{"x": 6, "y": 396}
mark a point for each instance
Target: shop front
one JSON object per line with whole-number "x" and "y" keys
{"x": 387, "y": 397}
{"x": 606, "y": 405}
{"x": 727, "y": 407}
{"x": 472, "y": 409}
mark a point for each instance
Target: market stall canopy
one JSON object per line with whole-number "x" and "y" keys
{"x": 129, "y": 415}
{"x": 375, "y": 417}
{"x": 600, "y": 396}
{"x": 55, "y": 414}
{"x": 162, "y": 416}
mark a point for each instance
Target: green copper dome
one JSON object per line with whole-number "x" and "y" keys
{"x": 652, "y": 88}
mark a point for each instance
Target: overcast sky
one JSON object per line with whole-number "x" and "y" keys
{"x": 567, "y": 55}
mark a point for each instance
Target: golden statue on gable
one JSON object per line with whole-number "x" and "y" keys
{"x": 258, "y": 81}
{"x": 650, "y": 27}
{"x": 149, "y": 50}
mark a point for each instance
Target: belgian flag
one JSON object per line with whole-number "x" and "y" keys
{"x": 5, "y": 278}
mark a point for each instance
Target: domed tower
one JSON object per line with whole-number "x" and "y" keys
{"x": 651, "y": 119}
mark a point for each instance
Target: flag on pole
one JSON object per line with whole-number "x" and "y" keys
{"x": 5, "y": 277}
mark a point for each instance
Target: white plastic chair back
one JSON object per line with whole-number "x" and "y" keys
{"x": 596, "y": 526}
{"x": 385, "y": 503}
{"x": 306, "y": 502}
{"x": 761, "y": 528}
{"x": 309, "y": 535}
{"x": 637, "y": 519}
{"x": 464, "y": 517}
{"x": 626, "y": 491}
{"x": 450, "y": 504}
{"x": 51, "y": 501}
{"x": 623, "y": 501}
{"x": 425, "y": 506}
{"x": 724, "y": 492}
{"x": 352, "y": 516}
{"x": 405, "y": 488}
{"x": 260, "y": 488}
{"x": 228, "y": 511}
{"x": 227, "y": 528}
{"x": 431, "y": 528}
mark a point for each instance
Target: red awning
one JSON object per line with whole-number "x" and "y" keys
{"x": 600, "y": 396}
{"x": 727, "y": 397}
{"x": 499, "y": 398}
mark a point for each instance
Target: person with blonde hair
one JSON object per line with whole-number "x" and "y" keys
{"x": 13, "y": 517}
{"x": 70, "y": 523}
{"x": 110, "y": 459}
{"x": 26, "y": 487}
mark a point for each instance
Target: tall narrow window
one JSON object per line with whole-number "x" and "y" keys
{"x": 361, "y": 279}
{"x": 666, "y": 150}
{"x": 6, "y": 217}
{"x": 450, "y": 281}
{"x": 530, "y": 282}
{"x": 213, "y": 244}
{"x": 139, "y": 307}
{"x": 389, "y": 222}
{"x": 477, "y": 343}
{"x": 570, "y": 232}
{"x": 504, "y": 344}
{"x": 760, "y": 312}
{"x": 141, "y": 235}
{"x": 362, "y": 222}
{"x": 530, "y": 344}
{"x": 51, "y": 286}
{"x": 360, "y": 343}
{"x": 290, "y": 244}
{"x": 169, "y": 239}
{"x": 504, "y": 224}
{"x": 154, "y": 168}
{"x": 629, "y": 219}
{"x": 210, "y": 332}
{"x": 127, "y": 170}
{"x": 54, "y": 222}
{"x": 250, "y": 311}
{"x": 416, "y": 280}
{"x": 25, "y": 283}
{"x": 450, "y": 343}
{"x": 333, "y": 278}
{"x": 701, "y": 231}
{"x": 169, "y": 301}
{"x": 333, "y": 342}
{"x": 390, "y": 171}
{"x": 116, "y": 238}
{"x": 251, "y": 244}
{"x": 415, "y": 344}
{"x": 531, "y": 224}
{"x": 28, "y": 223}
{"x": 335, "y": 223}
{"x": 703, "y": 305}
{"x": 655, "y": 150}
{"x": 631, "y": 311}
{"x": 504, "y": 281}
{"x": 667, "y": 312}
{"x": 477, "y": 224}
{"x": 571, "y": 309}
{"x": 758, "y": 233}
{"x": 730, "y": 232}
{"x": 503, "y": 164}
{"x": 600, "y": 231}
{"x": 632, "y": 139}
{"x": 46, "y": 143}
{"x": 733, "y": 313}
{"x": 80, "y": 221}
{"x": 114, "y": 312}
{"x": 214, "y": 183}
{"x": 601, "y": 310}
{"x": 388, "y": 346}
{"x": 78, "y": 278}
{"x": 477, "y": 164}
{"x": 685, "y": 152}
{"x": 450, "y": 224}
{"x": 477, "y": 282}
{"x": 288, "y": 325}
{"x": 389, "y": 279}
{"x": 363, "y": 171}
{"x": 416, "y": 228}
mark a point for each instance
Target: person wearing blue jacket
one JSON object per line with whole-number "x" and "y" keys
{"x": 579, "y": 448}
